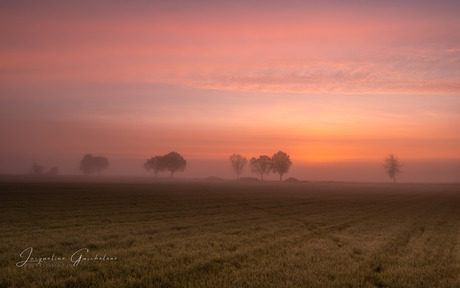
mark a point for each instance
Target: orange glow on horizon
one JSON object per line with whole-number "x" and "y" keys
{"x": 323, "y": 82}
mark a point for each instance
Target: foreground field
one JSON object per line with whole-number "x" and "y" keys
{"x": 229, "y": 235}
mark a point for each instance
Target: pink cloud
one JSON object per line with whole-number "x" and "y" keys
{"x": 320, "y": 80}
{"x": 328, "y": 51}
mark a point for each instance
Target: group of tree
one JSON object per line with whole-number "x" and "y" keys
{"x": 172, "y": 162}
{"x": 39, "y": 170}
{"x": 279, "y": 163}
{"x": 93, "y": 164}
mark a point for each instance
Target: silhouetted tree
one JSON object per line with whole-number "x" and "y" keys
{"x": 101, "y": 163}
{"x": 261, "y": 165}
{"x": 281, "y": 163}
{"x": 238, "y": 163}
{"x": 86, "y": 164}
{"x": 36, "y": 170}
{"x": 392, "y": 166}
{"x": 157, "y": 164}
{"x": 174, "y": 162}
{"x": 90, "y": 164}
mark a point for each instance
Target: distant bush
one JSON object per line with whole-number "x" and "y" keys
{"x": 39, "y": 170}
{"x": 249, "y": 179}
{"x": 291, "y": 180}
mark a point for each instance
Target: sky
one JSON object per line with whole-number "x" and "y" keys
{"x": 338, "y": 85}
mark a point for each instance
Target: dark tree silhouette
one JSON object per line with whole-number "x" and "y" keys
{"x": 90, "y": 164}
{"x": 86, "y": 164}
{"x": 392, "y": 166}
{"x": 238, "y": 163}
{"x": 174, "y": 162}
{"x": 101, "y": 163}
{"x": 281, "y": 163}
{"x": 157, "y": 164}
{"x": 261, "y": 165}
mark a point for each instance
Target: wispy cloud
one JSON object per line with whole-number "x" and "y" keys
{"x": 309, "y": 50}
{"x": 322, "y": 79}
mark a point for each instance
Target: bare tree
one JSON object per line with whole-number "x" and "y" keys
{"x": 174, "y": 162}
{"x": 90, "y": 164}
{"x": 261, "y": 165}
{"x": 157, "y": 164}
{"x": 281, "y": 163}
{"x": 392, "y": 166}
{"x": 238, "y": 163}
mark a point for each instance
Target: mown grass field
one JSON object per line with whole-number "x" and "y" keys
{"x": 229, "y": 234}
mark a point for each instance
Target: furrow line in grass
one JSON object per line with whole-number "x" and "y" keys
{"x": 256, "y": 218}
{"x": 213, "y": 264}
{"x": 380, "y": 210}
{"x": 386, "y": 255}
{"x": 249, "y": 249}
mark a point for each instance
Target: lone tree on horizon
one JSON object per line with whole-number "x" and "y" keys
{"x": 156, "y": 164}
{"x": 281, "y": 163}
{"x": 261, "y": 165}
{"x": 238, "y": 163}
{"x": 174, "y": 162}
{"x": 90, "y": 164}
{"x": 392, "y": 166}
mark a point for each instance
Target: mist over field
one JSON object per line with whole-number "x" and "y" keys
{"x": 444, "y": 171}
{"x": 230, "y": 144}
{"x": 228, "y": 234}
{"x": 336, "y": 86}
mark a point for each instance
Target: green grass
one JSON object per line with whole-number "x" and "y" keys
{"x": 224, "y": 234}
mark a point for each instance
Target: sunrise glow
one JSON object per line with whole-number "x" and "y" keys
{"x": 325, "y": 81}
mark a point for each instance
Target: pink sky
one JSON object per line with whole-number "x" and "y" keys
{"x": 325, "y": 81}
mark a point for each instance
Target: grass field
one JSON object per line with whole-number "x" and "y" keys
{"x": 229, "y": 234}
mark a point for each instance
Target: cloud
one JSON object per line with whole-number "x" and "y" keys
{"x": 323, "y": 81}
{"x": 311, "y": 49}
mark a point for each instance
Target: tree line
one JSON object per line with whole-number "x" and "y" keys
{"x": 279, "y": 163}
{"x": 173, "y": 162}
